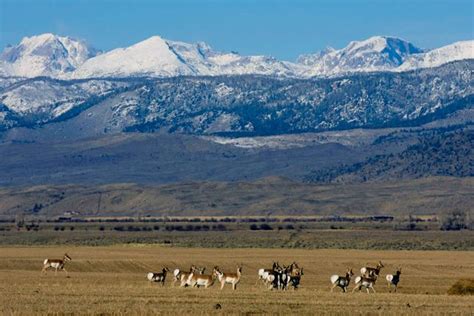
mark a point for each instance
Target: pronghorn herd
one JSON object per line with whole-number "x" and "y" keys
{"x": 278, "y": 277}
{"x": 281, "y": 277}
{"x": 367, "y": 279}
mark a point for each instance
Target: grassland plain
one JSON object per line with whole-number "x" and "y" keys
{"x": 111, "y": 280}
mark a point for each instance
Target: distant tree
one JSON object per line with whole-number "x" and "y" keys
{"x": 456, "y": 220}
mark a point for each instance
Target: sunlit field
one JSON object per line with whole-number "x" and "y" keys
{"x": 112, "y": 279}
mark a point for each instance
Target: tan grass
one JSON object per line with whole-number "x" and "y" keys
{"x": 112, "y": 280}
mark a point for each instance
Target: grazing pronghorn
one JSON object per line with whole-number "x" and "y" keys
{"x": 369, "y": 272}
{"x": 230, "y": 278}
{"x": 197, "y": 280}
{"x": 185, "y": 277}
{"x": 342, "y": 282}
{"x": 393, "y": 279}
{"x": 158, "y": 277}
{"x": 57, "y": 264}
{"x": 367, "y": 282}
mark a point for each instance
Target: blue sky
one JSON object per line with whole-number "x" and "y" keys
{"x": 283, "y": 29}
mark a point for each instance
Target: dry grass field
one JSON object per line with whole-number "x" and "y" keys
{"x": 112, "y": 280}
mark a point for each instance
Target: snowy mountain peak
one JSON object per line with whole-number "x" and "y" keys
{"x": 437, "y": 57}
{"x": 376, "y": 53}
{"x": 154, "y": 56}
{"x": 159, "y": 57}
{"x": 45, "y": 55}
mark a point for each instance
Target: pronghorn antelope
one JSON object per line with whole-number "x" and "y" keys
{"x": 177, "y": 274}
{"x": 263, "y": 273}
{"x": 273, "y": 278}
{"x": 291, "y": 275}
{"x": 342, "y": 282}
{"x": 185, "y": 277}
{"x": 57, "y": 264}
{"x": 158, "y": 277}
{"x": 393, "y": 279}
{"x": 372, "y": 272}
{"x": 367, "y": 282}
{"x": 230, "y": 278}
{"x": 197, "y": 280}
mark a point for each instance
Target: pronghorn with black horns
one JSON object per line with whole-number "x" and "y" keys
{"x": 57, "y": 264}
{"x": 229, "y": 278}
{"x": 370, "y": 272}
{"x": 158, "y": 277}
{"x": 342, "y": 281}
{"x": 393, "y": 279}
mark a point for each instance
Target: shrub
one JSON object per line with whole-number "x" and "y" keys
{"x": 454, "y": 221}
{"x": 253, "y": 227}
{"x": 219, "y": 227}
{"x": 265, "y": 227}
{"x": 462, "y": 287}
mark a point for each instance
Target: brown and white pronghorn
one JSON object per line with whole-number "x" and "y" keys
{"x": 393, "y": 279}
{"x": 177, "y": 273}
{"x": 158, "y": 277}
{"x": 185, "y": 277}
{"x": 370, "y": 272}
{"x": 291, "y": 275}
{"x": 263, "y": 274}
{"x": 229, "y": 278}
{"x": 342, "y": 282}
{"x": 367, "y": 282}
{"x": 197, "y": 280}
{"x": 57, "y": 264}
{"x": 274, "y": 278}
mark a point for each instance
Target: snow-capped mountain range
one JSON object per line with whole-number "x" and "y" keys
{"x": 66, "y": 58}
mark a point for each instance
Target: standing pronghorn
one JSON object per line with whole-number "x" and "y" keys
{"x": 393, "y": 279}
{"x": 342, "y": 282}
{"x": 177, "y": 273}
{"x": 263, "y": 274}
{"x": 369, "y": 272}
{"x": 290, "y": 275}
{"x": 158, "y": 277}
{"x": 57, "y": 264}
{"x": 185, "y": 277}
{"x": 367, "y": 282}
{"x": 197, "y": 280}
{"x": 231, "y": 278}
